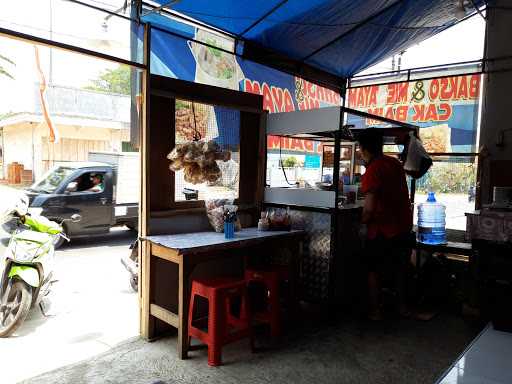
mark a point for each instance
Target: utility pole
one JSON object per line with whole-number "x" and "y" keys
{"x": 396, "y": 62}
{"x": 400, "y": 60}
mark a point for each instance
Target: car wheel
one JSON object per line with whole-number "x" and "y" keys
{"x": 59, "y": 240}
{"x": 132, "y": 227}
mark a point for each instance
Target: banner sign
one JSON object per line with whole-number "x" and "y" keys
{"x": 290, "y": 145}
{"x": 185, "y": 59}
{"x": 446, "y": 109}
{"x": 312, "y": 162}
{"x": 189, "y": 60}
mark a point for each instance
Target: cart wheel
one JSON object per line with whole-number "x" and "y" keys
{"x": 132, "y": 227}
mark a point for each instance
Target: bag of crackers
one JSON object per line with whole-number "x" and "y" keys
{"x": 215, "y": 209}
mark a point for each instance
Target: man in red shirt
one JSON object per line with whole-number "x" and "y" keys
{"x": 388, "y": 217}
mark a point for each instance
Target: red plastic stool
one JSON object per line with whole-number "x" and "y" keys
{"x": 223, "y": 326}
{"x": 271, "y": 280}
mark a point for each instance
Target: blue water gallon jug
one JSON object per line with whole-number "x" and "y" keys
{"x": 431, "y": 221}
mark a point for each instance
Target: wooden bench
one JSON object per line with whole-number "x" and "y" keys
{"x": 452, "y": 250}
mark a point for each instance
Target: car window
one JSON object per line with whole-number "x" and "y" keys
{"x": 90, "y": 182}
{"x": 52, "y": 180}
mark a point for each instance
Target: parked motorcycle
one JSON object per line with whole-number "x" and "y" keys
{"x": 26, "y": 268}
{"x": 131, "y": 263}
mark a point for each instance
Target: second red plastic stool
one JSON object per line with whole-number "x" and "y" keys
{"x": 270, "y": 279}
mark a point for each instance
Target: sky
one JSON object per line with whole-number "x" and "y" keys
{"x": 462, "y": 42}
{"x": 65, "y": 22}
{"x": 81, "y": 26}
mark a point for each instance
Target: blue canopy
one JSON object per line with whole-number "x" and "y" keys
{"x": 330, "y": 39}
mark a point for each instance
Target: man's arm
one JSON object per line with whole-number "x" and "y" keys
{"x": 369, "y": 207}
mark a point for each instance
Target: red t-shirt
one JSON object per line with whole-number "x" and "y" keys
{"x": 385, "y": 177}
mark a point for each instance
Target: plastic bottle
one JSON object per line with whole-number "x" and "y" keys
{"x": 431, "y": 221}
{"x": 263, "y": 223}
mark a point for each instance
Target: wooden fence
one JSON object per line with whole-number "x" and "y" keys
{"x": 70, "y": 150}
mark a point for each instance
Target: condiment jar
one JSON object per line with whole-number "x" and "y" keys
{"x": 262, "y": 225}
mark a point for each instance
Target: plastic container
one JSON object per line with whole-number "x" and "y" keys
{"x": 229, "y": 230}
{"x": 350, "y": 191}
{"x": 431, "y": 221}
{"x": 263, "y": 223}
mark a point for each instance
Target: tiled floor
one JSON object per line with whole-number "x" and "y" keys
{"x": 488, "y": 360}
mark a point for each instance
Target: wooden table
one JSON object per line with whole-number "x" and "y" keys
{"x": 187, "y": 251}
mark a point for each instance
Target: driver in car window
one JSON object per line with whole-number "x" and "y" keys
{"x": 97, "y": 183}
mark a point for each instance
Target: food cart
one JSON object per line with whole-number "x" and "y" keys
{"x": 330, "y": 259}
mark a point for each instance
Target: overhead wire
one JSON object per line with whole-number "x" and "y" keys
{"x": 83, "y": 38}
{"x": 281, "y": 163}
{"x": 109, "y": 5}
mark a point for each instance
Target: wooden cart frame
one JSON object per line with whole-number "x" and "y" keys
{"x": 156, "y": 204}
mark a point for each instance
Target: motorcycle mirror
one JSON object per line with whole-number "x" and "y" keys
{"x": 76, "y": 218}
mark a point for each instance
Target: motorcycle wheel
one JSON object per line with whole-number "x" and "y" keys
{"x": 60, "y": 240}
{"x": 58, "y": 243}
{"x": 134, "y": 283}
{"x": 14, "y": 312}
{"x": 134, "y": 256}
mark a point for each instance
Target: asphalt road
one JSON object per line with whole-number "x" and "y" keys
{"x": 92, "y": 308}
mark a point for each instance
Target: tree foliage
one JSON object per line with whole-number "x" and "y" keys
{"x": 290, "y": 162}
{"x": 448, "y": 177}
{"x": 115, "y": 80}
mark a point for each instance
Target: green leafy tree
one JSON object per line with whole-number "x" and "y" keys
{"x": 449, "y": 177}
{"x": 290, "y": 162}
{"x": 115, "y": 80}
{"x": 3, "y": 71}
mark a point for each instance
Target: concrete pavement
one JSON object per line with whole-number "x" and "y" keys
{"x": 93, "y": 309}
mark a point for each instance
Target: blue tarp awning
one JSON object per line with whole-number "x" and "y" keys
{"x": 330, "y": 38}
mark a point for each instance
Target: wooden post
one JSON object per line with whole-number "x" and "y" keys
{"x": 146, "y": 325}
{"x": 183, "y": 310}
{"x": 146, "y": 320}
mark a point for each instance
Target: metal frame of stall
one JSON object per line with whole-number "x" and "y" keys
{"x": 330, "y": 228}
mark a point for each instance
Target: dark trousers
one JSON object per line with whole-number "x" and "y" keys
{"x": 389, "y": 259}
